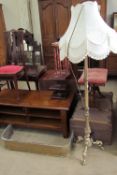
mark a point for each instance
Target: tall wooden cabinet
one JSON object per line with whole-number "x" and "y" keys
{"x": 111, "y": 64}
{"x": 2, "y": 38}
{"x": 54, "y": 17}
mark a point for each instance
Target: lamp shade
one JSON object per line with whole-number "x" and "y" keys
{"x": 87, "y": 35}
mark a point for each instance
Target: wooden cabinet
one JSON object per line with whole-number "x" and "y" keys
{"x": 111, "y": 64}
{"x": 54, "y": 16}
{"x": 2, "y": 38}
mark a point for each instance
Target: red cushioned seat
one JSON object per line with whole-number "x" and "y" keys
{"x": 96, "y": 76}
{"x": 13, "y": 73}
{"x": 10, "y": 69}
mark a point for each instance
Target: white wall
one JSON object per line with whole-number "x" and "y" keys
{"x": 24, "y": 16}
{"x": 11, "y": 14}
{"x": 35, "y": 20}
{"x": 17, "y": 15}
{"x": 111, "y": 7}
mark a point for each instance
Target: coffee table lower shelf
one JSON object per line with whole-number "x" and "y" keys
{"x": 38, "y": 123}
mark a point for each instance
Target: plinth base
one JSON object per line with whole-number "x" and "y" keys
{"x": 34, "y": 141}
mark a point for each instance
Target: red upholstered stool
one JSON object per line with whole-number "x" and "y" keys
{"x": 96, "y": 77}
{"x": 12, "y": 73}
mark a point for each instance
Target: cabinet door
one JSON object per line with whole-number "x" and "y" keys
{"x": 62, "y": 14}
{"x": 2, "y": 38}
{"x": 47, "y": 27}
{"x": 54, "y": 16}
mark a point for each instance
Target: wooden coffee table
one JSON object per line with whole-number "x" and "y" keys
{"x": 35, "y": 109}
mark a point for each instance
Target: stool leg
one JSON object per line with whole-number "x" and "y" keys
{"x": 96, "y": 88}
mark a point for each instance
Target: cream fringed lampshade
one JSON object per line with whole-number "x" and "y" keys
{"x": 87, "y": 35}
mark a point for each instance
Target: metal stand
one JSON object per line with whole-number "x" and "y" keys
{"x": 88, "y": 141}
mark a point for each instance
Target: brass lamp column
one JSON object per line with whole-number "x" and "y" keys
{"x": 87, "y": 129}
{"x": 88, "y": 141}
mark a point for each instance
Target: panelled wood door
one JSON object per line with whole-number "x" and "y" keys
{"x": 2, "y": 38}
{"x": 54, "y": 16}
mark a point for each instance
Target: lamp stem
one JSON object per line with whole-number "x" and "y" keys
{"x": 87, "y": 130}
{"x": 86, "y": 83}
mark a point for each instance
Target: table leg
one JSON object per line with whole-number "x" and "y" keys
{"x": 64, "y": 123}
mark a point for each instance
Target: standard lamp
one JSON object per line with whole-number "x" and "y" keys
{"x": 87, "y": 36}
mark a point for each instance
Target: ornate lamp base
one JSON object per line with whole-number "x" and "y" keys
{"x": 89, "y": 142}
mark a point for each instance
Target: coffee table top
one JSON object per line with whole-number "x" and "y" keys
{"x": 34, "y": 99}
